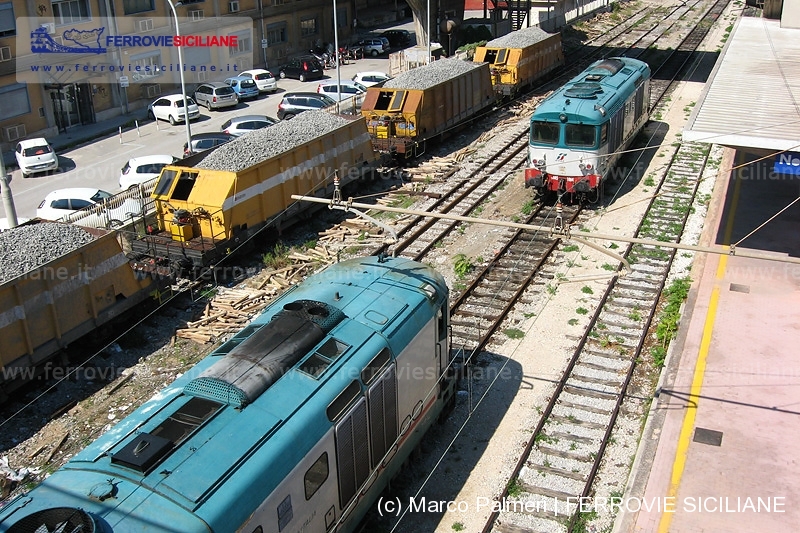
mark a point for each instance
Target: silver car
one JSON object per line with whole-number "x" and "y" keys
{"x": 215, "y": 94}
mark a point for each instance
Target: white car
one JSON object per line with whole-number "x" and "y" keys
{"x": 368, "y": 79}
{"x": 110, "y": 213}
{"x": 140, "y": 169}
{"x": 170, "y": 108}
{"x": 265, "y": 80}
{"x": 35, "y": 155}
{"x": 348, "y": 91}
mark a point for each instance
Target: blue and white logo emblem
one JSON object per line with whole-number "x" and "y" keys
{"x": 75, "y": 42}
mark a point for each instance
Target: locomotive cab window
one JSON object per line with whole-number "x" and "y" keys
{"x": 383, "y": 101}
{"x": 502, "y": 57}
{"x": 184, "y": 187}
{"x": 165, "y": 183}
{"x": 545, "y": 132}
{"x": 397, "y": 101}
{"x": 581, "y": 135}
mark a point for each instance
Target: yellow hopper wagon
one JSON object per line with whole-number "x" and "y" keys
{"x": 210, "y": 204}
{"x": 58, "y": 282}
{"x": 425, "y": 102}
{"x": 519, "y": 58}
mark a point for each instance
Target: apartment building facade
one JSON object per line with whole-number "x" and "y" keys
{"x": 64, "y": 63}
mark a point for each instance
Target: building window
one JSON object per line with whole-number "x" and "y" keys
{"x": 14, "y": 101}
{"x": 341, "y": 17}
{"x": 71, "y": 12}
{"x": 138, "y": 6}
{"x": 308, "y": 26}
{"x": 8, "y": 25}
{"x": 244, "y": 43}
{"x": 276, "y": 33}
{"x": 145, "y": 66}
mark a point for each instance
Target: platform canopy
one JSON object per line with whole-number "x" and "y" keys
{"x": 752, "y": 99}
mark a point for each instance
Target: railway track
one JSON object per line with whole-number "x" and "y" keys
{"x": 564, "y": 453}
{"x": 505, "y": 279}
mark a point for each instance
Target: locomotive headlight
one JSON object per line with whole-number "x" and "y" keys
{"x": 540, "y": 163}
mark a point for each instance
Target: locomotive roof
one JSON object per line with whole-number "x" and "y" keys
{"x": 520, "y": 38}
{"x": 215, "y": 471}
{"x": 432, "y": 74}
{"x": 595, "y": 93}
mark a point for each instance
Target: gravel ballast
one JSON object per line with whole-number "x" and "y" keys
{"x": 259, "y": 145}
{"x": 26, "y": 248}
{"x": 422, "y": 78}
{"x": 519, "y": 38}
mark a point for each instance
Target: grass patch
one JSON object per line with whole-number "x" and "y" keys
{"x": 514, "y": 333}
{"x": 515, "y": 488}
{"x": 278, "y": 257}
{"x": 667, "y": 326}
{"x": 462, "y": 265}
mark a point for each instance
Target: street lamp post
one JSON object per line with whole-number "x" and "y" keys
{"x": 183, "y": 81}
{"x": 428, "y": 14}
{"x": 336, "y": 58}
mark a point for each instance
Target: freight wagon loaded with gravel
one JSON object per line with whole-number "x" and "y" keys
{"x": 519, "y": 58}
{"x": 58, "y": 282}
{"x": 210, "y": 204}
{"x": 425, "y": 103}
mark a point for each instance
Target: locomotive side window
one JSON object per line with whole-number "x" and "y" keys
{"x": 580, "y": 135}
{"x": 603, "y": 133}
{"x": 316, "y": 475}
{"x": 545, "y": 132}
{"x": 441, "y": 317}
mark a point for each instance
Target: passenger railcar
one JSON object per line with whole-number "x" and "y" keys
{"x": 295, "y": 424}
{"x": 424, "y": 103}
{"x": 578, "y": 133}
{"x": 519, "y": 58}
{"x": 210, "y": 203}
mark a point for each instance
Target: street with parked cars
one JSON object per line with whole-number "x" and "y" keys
{"x": 98, "y": 164}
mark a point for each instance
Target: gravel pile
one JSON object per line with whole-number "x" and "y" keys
{"x": 259, "y": 145}
{"x": 519, "y": 38}
{"x": 25, "y": 248}
{"x": 433, "y": 74}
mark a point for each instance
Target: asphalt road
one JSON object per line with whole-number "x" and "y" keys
{"x": 98, "y": 164}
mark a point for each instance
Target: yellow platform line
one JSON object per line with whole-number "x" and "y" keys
{"x": 693, "y": 401}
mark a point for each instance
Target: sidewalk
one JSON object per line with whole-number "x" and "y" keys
{"x": 83, "y": 134}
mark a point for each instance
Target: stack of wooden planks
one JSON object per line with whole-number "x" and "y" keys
{"x": 232, "y": 309}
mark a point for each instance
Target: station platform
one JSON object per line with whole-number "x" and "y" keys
{"x": 717, "y": 452}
